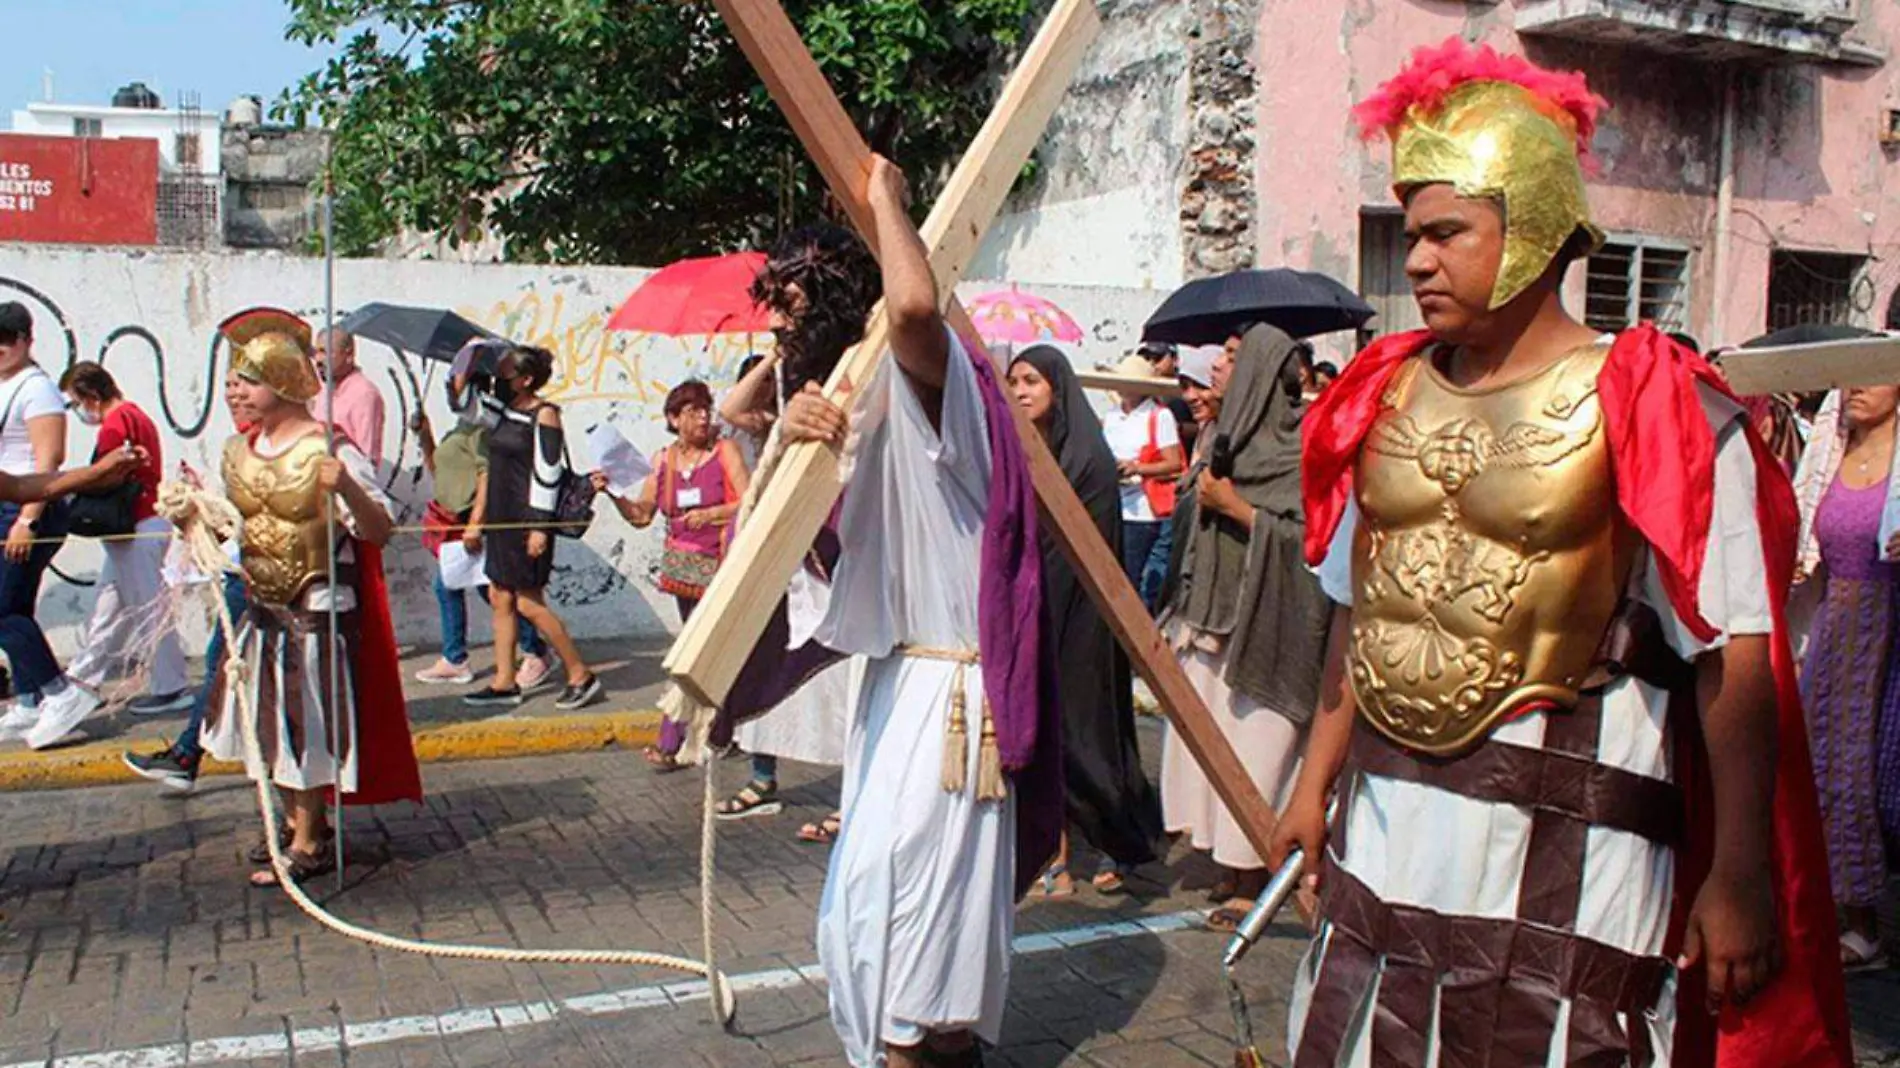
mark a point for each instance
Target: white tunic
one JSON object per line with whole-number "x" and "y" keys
{"x": 915, "y": 922}
{"x": 1413, "y": 844}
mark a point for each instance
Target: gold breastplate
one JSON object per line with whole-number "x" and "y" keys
{"x": 286, "y": 538}
{"x": 1490, "y": 556}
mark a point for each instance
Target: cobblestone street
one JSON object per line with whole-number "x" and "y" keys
{"x": 130, "y": 937}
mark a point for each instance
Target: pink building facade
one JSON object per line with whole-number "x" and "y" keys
{"x": 1750, "y": 161}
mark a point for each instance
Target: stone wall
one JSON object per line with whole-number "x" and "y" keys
{"x": 269, "y": 174}
{"x": 1218, "y": 206}
{"x": 151, "y": 318}
{"x": 1104, "y": 207}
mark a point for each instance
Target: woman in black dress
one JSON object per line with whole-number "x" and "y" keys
{"x": 526, "y": 457}
{"x": 1109, "y": 797}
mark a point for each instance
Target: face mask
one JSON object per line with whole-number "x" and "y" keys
{"x": 87, "y": 416}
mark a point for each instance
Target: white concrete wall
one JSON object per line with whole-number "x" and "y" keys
{"x": 163, "y": 126}
{"x": 1105, "y": 208}
{"x": 152, "y": 317}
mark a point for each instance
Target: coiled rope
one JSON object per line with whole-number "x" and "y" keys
{"x": 204, "y": 522}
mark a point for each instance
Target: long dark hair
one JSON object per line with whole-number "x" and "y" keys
{"x": 840, "y": 281}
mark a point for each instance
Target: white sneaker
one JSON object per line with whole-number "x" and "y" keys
{"x": 18, "y": 720}
{"x": 59, "y": 714}
{"x": 443, "y": 672}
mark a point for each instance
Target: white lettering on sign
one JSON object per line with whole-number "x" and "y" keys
{"x": 19, "y": 190}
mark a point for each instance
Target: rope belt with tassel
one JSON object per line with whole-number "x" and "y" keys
{"x": 990, "y": 785}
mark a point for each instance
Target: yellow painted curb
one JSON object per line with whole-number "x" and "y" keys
{"x": 99, "y": 763}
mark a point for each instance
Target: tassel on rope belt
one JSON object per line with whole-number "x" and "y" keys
{"x": 956, "y": 739}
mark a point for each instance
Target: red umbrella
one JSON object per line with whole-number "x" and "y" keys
{"x": 702, "y": 296}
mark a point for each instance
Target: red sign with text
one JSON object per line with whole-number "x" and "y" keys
{"x": 78, "y": 190}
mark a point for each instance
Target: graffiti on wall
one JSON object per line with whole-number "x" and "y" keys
{"x": 154, "y": 326}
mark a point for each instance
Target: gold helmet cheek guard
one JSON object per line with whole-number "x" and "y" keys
{"x": 1496, "y": 141}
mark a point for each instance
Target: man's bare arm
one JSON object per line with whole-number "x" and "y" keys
{"x": 47, "y": 433}
{"x": 1732, "y": 925}
{"x": 1303, "y": 824}
{"x": 918, "y": 339}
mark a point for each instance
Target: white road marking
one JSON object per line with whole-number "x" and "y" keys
{"x": 356, "y": 1036}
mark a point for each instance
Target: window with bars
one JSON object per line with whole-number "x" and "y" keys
{"x": 88, "y": 128}
{"x": 1814, "y": 288}
{"x": 1635, "y": 280}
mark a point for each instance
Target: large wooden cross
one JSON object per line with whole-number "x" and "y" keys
{"x": 1826, "y": 365}
{"x": 793, "y": 505}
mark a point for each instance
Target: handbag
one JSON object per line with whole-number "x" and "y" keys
{"x": 105, "y": 513}
{"x": 573, "y": 495}
{"x": 1159, "y": 491}
{"x": 573, "y": 500}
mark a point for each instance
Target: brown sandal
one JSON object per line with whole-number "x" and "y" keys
{"x": 260, "y": 853}
{"x": 303, "y": 867}
{"x": 1228, "y": 918}
{"x": 660, "y": 761}
{"x": 824, "y": 832}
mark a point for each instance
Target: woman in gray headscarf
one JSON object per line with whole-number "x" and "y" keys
{"x": 1109, "y": 798}
{"x": 1246, "y": 617}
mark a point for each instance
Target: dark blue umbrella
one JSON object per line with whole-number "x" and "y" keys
{"x": 1211, "y": 310}
{"x": 431, "y": 333}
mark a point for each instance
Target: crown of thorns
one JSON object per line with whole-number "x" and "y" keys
{"x": 820, "y": 258}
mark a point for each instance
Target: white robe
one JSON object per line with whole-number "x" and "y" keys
{"x": 915, "y": 923}
{"x": 1419, "y": 845}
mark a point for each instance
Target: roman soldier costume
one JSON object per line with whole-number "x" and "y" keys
{"x": 328, "y": 716}
{"x": 1524, "y": 821}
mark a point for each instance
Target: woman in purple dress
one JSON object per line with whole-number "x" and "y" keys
{"x": 1850, "y": 682}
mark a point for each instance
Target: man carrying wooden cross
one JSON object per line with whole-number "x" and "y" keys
{"x": 1576, "y": 816}
{"x": 953, "y": 789}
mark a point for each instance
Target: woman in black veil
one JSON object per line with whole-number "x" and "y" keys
{"x": 1110, "y": 800}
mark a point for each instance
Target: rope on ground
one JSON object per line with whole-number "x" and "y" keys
{"x": 203, "y": 523}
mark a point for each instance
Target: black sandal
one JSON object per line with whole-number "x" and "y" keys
{"x": 756, "y": 798}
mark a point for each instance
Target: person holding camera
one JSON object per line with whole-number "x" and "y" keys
{"x": 131, "y": 607}
{"x": 1243, "y": 613}
{"x": 527, "y": 456}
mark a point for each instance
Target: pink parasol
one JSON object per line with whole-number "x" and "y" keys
{"x": 1012, "y": 317}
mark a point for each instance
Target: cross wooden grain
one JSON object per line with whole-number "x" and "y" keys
{"x": 794, "y": 504}
{"x": 1872, "y": 361}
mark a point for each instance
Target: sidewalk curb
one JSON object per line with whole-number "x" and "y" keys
{"x": 99, "y": 763}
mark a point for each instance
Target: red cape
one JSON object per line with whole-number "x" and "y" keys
{"x": 386, "y": 768}
{"x": 1663, "y": 456}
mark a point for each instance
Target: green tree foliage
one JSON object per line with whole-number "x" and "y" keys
{"x": 622, "y": 131}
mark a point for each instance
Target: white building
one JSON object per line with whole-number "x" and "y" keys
{"x": 188, "y": 139}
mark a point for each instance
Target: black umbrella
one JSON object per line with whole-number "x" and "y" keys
{"x": 1211, "y": 310}
{"x": 1807, "y": 334}
{"x": 432, "y": 333}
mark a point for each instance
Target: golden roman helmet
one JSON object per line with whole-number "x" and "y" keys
{"x": 1500, "y": 128}
{"x": 272, "y": 346}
